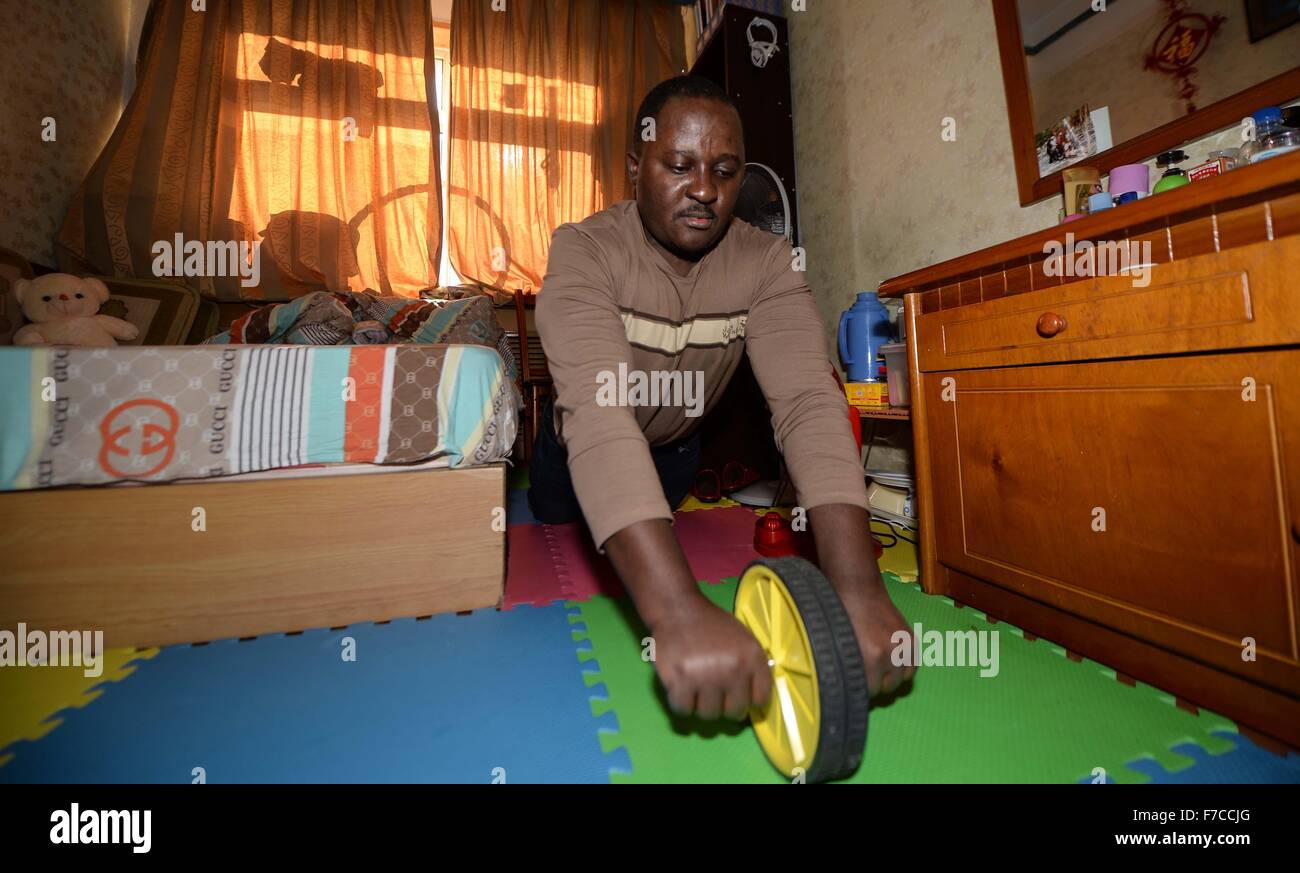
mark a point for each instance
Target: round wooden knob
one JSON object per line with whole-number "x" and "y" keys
{"x": 1050, "y": 324}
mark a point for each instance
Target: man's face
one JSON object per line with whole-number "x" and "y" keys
{"x": 687, "y": 179}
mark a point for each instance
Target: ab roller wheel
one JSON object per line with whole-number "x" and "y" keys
{"x": 815, "y": 722}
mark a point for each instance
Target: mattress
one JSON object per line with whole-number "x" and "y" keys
{"x": 77, "y": 416}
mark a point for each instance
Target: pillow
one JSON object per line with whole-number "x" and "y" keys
{"x": 164, "y": 312}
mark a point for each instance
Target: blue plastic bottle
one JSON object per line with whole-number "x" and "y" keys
{"x": 864, "y": 328}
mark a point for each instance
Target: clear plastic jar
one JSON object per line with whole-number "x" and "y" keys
{"x": 1277, "y": 141}
{"x": 1272, "y": 138}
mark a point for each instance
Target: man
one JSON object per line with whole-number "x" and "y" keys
{"x": 667, "y": 291}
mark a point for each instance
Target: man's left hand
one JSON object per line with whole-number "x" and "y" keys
{"x": 844, "y": 550}
{"x": 875, "y": 622}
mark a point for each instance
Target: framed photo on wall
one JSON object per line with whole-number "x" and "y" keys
{"x": 1266, "y": 17}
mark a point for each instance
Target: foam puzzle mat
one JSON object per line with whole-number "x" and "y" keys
{"x": 33, "y": 696}
{"x": 473, "y": 698}
{"x": 1042, "y": 718}
{"x": 552, "y": 688}
{"x": 1244, "y": 762}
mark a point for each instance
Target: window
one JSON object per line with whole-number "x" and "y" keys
{"x": 442, "y": 86}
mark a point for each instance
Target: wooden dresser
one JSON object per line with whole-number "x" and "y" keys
{"x": 1116, "y": 466}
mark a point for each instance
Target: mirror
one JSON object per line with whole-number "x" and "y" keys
{"x": 1108, "y": 82}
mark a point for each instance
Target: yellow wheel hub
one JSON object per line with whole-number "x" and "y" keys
{"x": 788, "y": 727}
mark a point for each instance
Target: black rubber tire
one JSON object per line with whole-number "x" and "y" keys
{"x": 841, "y": 675}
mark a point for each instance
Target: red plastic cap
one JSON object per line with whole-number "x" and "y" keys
{"x": 773, "y": 537}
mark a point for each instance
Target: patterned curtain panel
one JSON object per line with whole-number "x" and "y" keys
{"x": 543, "y": 97}
{"x": 271, "y": 148}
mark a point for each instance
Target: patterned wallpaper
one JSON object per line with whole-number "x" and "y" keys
{"x": 881, "y": 192}
{"x": 64, "y": 59}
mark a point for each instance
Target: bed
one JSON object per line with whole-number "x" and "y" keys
{"x": 176, "y": 494}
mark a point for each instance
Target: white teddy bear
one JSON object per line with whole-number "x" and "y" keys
{"x": 63, "y": 311}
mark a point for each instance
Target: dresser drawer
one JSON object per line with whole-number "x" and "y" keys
{"x": 1246, "y": 297}
{"x": 1159, "y": 497}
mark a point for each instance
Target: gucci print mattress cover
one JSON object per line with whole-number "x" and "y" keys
{"x": 81, "y": 416}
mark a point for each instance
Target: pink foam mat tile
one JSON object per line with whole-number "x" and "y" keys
{"x": 534, "y": 568}
{"x": 719, "y": 544}
{"x": 550, "y": 562}
{"x": 585, "y": 571}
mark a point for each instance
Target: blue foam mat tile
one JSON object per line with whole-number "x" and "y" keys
{"x": 446, "y": 699}
{"x": 1246, "y": 763}
{"x": 517, "y": 509}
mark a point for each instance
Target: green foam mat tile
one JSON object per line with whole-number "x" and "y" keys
{"x": 1042, "y": 718}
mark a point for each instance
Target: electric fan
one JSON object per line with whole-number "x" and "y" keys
{"x": 763, "y": 201}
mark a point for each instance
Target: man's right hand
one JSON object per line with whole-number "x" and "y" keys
{"x": 710, "y": 664}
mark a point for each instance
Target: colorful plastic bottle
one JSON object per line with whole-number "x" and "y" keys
{"x": 1174, "y": 176}
{"x": 864, "y": 328}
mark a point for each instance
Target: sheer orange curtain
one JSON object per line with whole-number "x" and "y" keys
{"x": 543, "y": 98}
{"x": 303, "y": 124}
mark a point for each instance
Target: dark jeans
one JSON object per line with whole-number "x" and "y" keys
{"x": 550, "y": 493}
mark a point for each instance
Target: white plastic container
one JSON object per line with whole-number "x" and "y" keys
{"x": 895, "y": 355}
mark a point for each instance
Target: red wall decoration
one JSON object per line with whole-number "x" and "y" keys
{"x": 1180, "y": 44}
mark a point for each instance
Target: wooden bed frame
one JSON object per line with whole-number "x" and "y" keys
{"x": 277, "y": 555}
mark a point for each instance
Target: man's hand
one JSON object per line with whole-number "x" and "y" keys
{"x": 710, "y": 664}
{"x": 875, "y": 621}
{"x": 843, "y": 535}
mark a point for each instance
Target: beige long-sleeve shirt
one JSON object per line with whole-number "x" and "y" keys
{"x": 613, "y": 315}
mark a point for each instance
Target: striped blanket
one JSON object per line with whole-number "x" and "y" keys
{"x": 159, "y": 413}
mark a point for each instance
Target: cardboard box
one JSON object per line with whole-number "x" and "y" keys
{"x": 867, "y": 395}
{"x": 1208, "y": 170}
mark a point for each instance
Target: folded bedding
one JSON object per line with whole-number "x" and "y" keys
{"x": 329, "y": 318}
{"x": 81, "y": 416}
